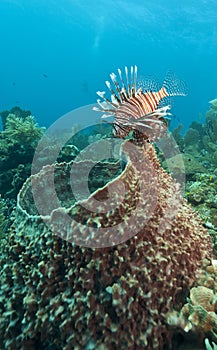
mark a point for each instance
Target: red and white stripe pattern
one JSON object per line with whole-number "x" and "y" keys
{"x": 134, "y": 109}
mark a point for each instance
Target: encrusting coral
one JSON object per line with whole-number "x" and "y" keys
{"x": 59, "y": 295}
{"x": 199, "y": 315}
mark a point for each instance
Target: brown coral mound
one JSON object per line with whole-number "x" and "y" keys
{"x": 59, "y": 295}
{"x": 199, "y": 314}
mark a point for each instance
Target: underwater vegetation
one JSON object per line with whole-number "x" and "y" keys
{"x": 199, "y": 152}
{"x": 23, "y": 131}
{"x": 17, "y": 111}
{"x": 3, "y": 218}
{"x": 18, "y": 141}
{"x": 141, "y": 275}
{"x": 199, "y": 142}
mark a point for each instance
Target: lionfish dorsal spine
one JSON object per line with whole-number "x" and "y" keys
{"x": 115, "y": 97}
{"x": 123, "y": 88}
{"x": 106, "y": 100}
{"x": 133, "y": 74}
{"x": 117, "y": 86}
{"x": 128, "y": 83}
{"x": 101, "y": 94}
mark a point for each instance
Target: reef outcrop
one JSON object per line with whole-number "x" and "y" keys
{"x": 60, "y": 292}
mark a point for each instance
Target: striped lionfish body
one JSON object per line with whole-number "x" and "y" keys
{"x": 137, "y": 110}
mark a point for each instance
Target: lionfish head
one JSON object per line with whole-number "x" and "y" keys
{"x": 135, "y": 110}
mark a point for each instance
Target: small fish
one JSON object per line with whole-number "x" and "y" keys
{"x": 45, "y": 75}
{"x": 135, "y": 109}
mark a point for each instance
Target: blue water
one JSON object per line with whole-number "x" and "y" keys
{"x": 56, "y": 54}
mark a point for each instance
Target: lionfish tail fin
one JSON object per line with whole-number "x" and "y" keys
{"x": 174, "y": 86}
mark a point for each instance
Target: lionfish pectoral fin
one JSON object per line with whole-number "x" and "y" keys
{"x": 106, "y": 116}
{"x": 145, "y": 120}
{"x": 105, "y": 121}
{"x": 158, "y": 112}
{"x": 144, "y": 125}
{"x": 97, "y": 109}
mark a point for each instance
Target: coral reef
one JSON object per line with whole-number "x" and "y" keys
{"x": 17, "y": 111}
{"x": 59, "y": 295}
{"x": 3, "y": 218}
{"x": 198, "y": 148}
{"x": 200, "y": 310}
{"x": 18, "y": 141}
{"x": 192, "y": 140}
{"x": 176, "y": 133}
{"x": 201, "y": 193}
{"x": 199, "y": 314}
{"x": 190, "y": 168}
{"x": 23, "y": 131}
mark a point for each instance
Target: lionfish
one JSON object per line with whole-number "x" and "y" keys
{"x": 135, "y": 109}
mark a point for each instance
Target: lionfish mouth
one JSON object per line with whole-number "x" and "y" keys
{"x": 138, "y": 110}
